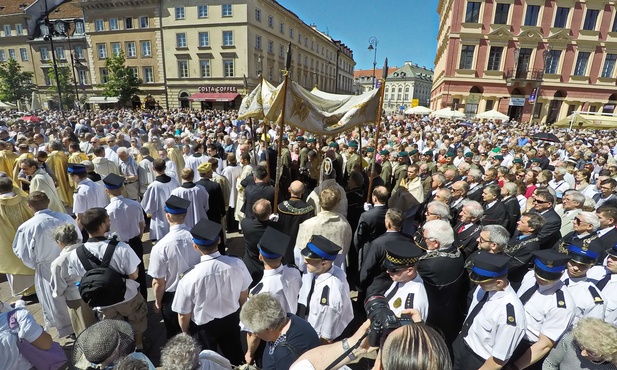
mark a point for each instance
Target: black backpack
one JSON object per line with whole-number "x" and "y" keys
{"x": 101, "y": 285}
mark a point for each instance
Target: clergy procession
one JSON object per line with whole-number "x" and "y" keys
{"x": 499, "y": 237}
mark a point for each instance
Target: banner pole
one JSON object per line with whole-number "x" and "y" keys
{"x": 279, "y": 145}
{"x": 384, "y": 75}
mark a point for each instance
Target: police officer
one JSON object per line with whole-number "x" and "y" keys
{"x": 87, "y": 193}
{"x": 324, "y": 299}
{"x": 127, "y": 222}
{"x": 208, "y": 298}
{"x": 407, "y": 290}
{"x": 589, "y": 301}
{"x": 549, "y": 309}
{"x": 170, "y": 259}
{"x": 496, "y": 321}
{"x": 606, "y": 277}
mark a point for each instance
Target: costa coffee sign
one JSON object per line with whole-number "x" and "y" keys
{"x": 218, "y": 89}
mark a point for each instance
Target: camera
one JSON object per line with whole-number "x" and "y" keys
{"x": 383, "y": 320}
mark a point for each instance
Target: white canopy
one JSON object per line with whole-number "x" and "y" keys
{"x": 448, "y": 113}
{"x": 102, "y": 100}
{"x": 4, "y": 105}
{"x": 492, "y": 114}
{"x": 418, "y": 110}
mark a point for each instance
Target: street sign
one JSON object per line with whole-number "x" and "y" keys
{"x": 532, "y": 96}
{"x": 517, "y": 102}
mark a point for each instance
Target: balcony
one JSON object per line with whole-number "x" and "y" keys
{"x": 524, "y": 75}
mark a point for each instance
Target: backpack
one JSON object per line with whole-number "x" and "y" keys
{"x": 101, "y": 285}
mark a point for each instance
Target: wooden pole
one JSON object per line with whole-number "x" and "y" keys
{"x": 253, "y": 141}
{"x": 279, "y": 146}
{"x": 381, "y": 93}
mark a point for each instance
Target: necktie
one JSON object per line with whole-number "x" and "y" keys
{"x": 308, "y": 298}
{"x": 525, "y": 297}
{"x": 473, "y": 314}
{"x": 602, "y": 283}
{"x": 392, "y": 292}
{"x": 460, "y": 229}
{"x": 566, "y": 282}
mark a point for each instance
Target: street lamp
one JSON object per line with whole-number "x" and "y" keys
{"x": 372, "y": 45}
{"x": 545, "y": 55}
{"x": 62, "y": 29}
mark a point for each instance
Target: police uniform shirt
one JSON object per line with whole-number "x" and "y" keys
{"x": 89, "y": 195}
{"x": 330, "y": 309}
{"x": 124, "y": 261}
{"x": 212, "y": 289}
{"x": 411, "y": 294}
{"x": 173, "y": 256}
{"x": 499, "y": 326}
{"x": 548, "y": 311}
{"x": 125, "y": 216}
{"x": 597, "y": 273}
{"x": 589, "y": 302}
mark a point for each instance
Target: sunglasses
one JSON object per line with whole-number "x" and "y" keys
{"x": 396, "y": 270}
{"x": 536, "y": 200}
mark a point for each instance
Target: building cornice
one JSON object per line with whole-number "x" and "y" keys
{"x": 106, "y": 4}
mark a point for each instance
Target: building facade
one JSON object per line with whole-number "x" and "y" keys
{"x": 540, "y": 58}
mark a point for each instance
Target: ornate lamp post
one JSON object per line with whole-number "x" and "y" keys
{"x": 372, "y": 46}
{"x": 545, "y": 55}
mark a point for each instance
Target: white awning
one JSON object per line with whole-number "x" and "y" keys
{"x": 102, "y": 100}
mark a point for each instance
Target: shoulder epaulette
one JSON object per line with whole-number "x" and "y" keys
{"x": 597, "y": 299}
{"x": 257, "y": 289}
{"x": 511, "y": 315}
{"x": 561, "y": 302}
{"x": 325, "y": 296}
{"x": 186, "y": 272}
{"x": 409, "y": 301}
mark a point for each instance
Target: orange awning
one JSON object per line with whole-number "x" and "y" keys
{"x": 213, "y": 96}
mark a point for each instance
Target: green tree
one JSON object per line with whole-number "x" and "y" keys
{"x": 65, "y": 81}
{"x": 122, "y": 82}
{"x": 15, "y": 84}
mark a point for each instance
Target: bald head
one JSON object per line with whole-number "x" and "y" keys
{"x": 296, "y": 189}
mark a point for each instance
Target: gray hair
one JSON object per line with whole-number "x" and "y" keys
{"x": 590, "y": 218}
{"x": 89, "y": 166}
{"x": 56, "y": 145}
{"x": 180, "y": 353}
{"x": 510, "y": 187}
{"x": 497, "y": 234}
{"x": 560, "y": 170}
{"x": 440, "y": 177}
{"x": 439, "y": 209}
{"x": 475, "y": 208}
{"x": 122, "y": 150}
{"x": 170, "y": 142}
{"x": 475, "y": 173}
{"x": 577, "y": 197}
{"x": 589, "y": 203}
{"x": 439, "y": 230}
{"x": 66, "y": 235}
{"x": 262, "y": 312}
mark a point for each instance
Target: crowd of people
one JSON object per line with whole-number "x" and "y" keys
{"x": 498, "y": 239}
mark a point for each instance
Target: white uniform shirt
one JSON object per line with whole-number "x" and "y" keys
{"x": 125, "y": 216}
{"x": 411, "y": 294}
{"x": 124, "y": 261}
{"x": 609, "y": 292}
{"x": 89, "y": 195}
{"x": 330, "y": 309}
{"x": 545, "y": 312}
{"x": 153, "y": 203}
{"x": 283, "y": 283}
{"x": 499, "y": 326}
{"x": 173, "y": 256}
{"x": 212, "y": 289}
{"x": 588, "y": 304}
{"x": 198, "y": 196}
{"x": 26, "y": 328}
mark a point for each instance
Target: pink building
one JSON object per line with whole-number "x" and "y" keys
{"x": 509, "y": 54}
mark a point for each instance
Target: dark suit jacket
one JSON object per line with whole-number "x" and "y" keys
{"x": 371, "y": 225}
{"x": 216, "y": 202}
{"x": 601, "y": 244}
{"x": 596, "y": 197}
{"x": 455, "y": 209}
{"x": 513, "y": 213}
{"x": 253, "y": 230}
{"x": 292, "y": 213}
{"x": 255, "y": 192}
{"x": 496, "y": 215}
{"x": 521, "y": 257}
{"x": 550, "y": 234}
{"x": 467, "y": 240}
{"x": 572, "y": 239}
{"x": 476, "y": 194}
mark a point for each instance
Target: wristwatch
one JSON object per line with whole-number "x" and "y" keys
{"x": 351, "y": 356}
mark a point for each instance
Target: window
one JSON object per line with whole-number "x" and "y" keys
{"x": 104, "y": 75}
{"x": 23, "y": 53}
{"x": 7, "y": 30}
{"x": 258, "y": 15}
{"x": 614, "y": 28}
{"x": 501, "y": 13}
{"x": 494, "y": 58}
{"x": 79, "y": 52}
{"x": 531, "y": 17}
{"x": 134, "y": 71}
{"x": 226, "y": 10}
{"x": 60, "y": 53}
{"x": 19, "y": 29}
{"x": 228, "y": 38}
{"x": 472, "y": 15}
{"x": 489, "y": 105}
{"x": 79, "y": 28}
{"x": 46, "y": 76}
{"x": 306, "y": 42}
{"x": 146, "y": 50}
{"x": 281, "y": 51}
{"x": 128, "y": 23}
{"x": 148, "y": 75}
{"x": 204, "y": 39}
{"x": 113, "y": 24}
{"x": 561, "y": 17}
{"x": 116, "y": 48}
{"x": 282, "y": 28}
{"x": 181, "y": 40}
{"x": 83, "y": 77}
{"x": 183, "y": 68}
{"x": 466, "y": 57}
{"x": 291, "y": 33}
{"x": 179, "y": 12}
{"x": 2, "y": 56}
{"x": 101, "y": 50}
{"x": 131, "y": 49}
{"x": 270, "y": 21}
{"x": 299, "y": 38}
{"x": 590, "y": 19}
{"x": 552, "y": 62}
{"x": 257, "y": 42}
{"x": 204, "y": 68}
{"x": 270, "y": 46}
{"x": 609, "y": 65}
{"x": 143, "y": 22}
{"x": 44, "y": 53}
{"x": 99, "y": 25}
{"x": 202, "y": 11}
{"x": 581, "y": 63}
{"x": 228, "y": 67}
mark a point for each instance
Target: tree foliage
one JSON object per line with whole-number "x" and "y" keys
{"x": 122, "y": 82}
{"x": 65, "y": 81}
{"x": 15, "y": 84}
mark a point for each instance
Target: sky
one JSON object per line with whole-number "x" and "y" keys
{"x": 406, "y": 30}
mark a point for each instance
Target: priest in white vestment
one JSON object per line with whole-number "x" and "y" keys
{"x": 153, "y": 201}
{"x": 196, "y": 194}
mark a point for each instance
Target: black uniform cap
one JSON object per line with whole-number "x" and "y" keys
{"x": 113, "y": 181}
{"x": 273, "y": 243}
{"x": 400, "y": 253}
{"x": 487, "y": 266}
{"x": 549, "y": 264}
{"x": 76, "y": 168}
{"x": 206, "y": 232}
{"x": 176, "y": 205}
{"x": 321, "y": 248}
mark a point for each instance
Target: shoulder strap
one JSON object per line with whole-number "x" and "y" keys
{"x": 85, "y": 257}
{"x": 109, "y": 252}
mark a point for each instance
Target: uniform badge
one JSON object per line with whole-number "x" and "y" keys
{"x": 324, "y": 301}
{"x": 398, "y": 302}
{"x": 561, "y": 303}
{"x": 549, "y": 264}
{"x": 510, "y": 319}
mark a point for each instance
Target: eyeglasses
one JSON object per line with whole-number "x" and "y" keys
{"x": 578, "y": 221}
{"x": 482, "y": 240}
